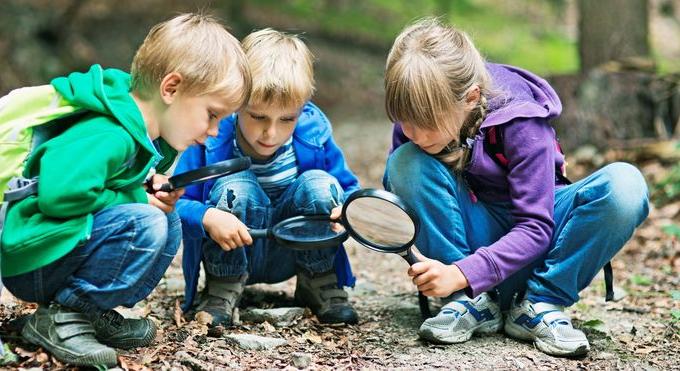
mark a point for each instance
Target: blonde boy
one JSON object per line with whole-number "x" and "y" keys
{"x": 298, "y": 170}
{"x": 92, "y": 238}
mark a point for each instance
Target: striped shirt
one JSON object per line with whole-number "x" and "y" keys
{"x": 276, "y": 173}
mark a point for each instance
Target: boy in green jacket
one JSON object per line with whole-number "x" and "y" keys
{"x": 93, "y": 238}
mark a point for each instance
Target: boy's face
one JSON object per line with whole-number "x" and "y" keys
{"x": 265, "y": 127}
{"x": 189, "y": 120}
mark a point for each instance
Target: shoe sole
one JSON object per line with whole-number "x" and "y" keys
{"x": 519, "y": 332}
{"x": 445, "y": 337}
{"x": 131, "y": 343}
{"x": 104, "y": 357}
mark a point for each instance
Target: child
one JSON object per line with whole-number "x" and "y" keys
{"x": 92, "y": 238}
{"x": 515, "y": 226}
{"x": 297, "y": 169}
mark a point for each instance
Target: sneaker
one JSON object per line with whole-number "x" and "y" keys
{"x": 220, "y": 298}
{"x": 462, "y": 317}
{"x": 68, "y": 335}
{"x": 548, "y": 327}
{"x": 114, "y": 330}
{"x": 321, "y": 294}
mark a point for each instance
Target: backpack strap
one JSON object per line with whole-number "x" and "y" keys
{"x": 493, "y": 146}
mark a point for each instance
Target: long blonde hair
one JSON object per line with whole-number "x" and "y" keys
{"x": 430, "y": 70}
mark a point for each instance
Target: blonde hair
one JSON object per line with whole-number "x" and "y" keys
{"x": 199, "y": 48}
{"x": 282, "y": 68}
{"x": 429, "y": 72}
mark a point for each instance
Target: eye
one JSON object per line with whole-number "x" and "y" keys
{"x": 212, "y": 116}
{"x": 288, "y": 119}
{"x": 257, "y": 117}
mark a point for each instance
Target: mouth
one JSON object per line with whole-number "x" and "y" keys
{"x": 266, "y": 145}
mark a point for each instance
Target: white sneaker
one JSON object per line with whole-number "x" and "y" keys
{"x": 462, "y": 317}
{"x": 548, "y": 327}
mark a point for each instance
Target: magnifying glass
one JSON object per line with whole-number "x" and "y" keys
{"x": 305, "y": 232}
{"x": 200, "y": 175}
{"x": 381, "y": 221}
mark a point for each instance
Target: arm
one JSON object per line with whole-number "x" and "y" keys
{"x": 190, "y": 206}
{"x": 336, "y": 165}
{"x": 529, "y": 147}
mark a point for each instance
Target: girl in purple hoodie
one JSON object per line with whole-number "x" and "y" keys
{"x": 492, "y": 230}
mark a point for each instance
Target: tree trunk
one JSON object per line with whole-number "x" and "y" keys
{"x": 612, "y": 30}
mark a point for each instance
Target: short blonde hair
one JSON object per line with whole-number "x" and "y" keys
{"x": 201, "y": 50}
{"x": 282, "y": 68}
{"x": 429, "y": 71}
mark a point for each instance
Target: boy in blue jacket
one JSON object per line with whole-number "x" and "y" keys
{"x": 297, "y": 170}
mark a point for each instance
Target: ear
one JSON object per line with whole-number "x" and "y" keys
{"x": 170, "y": 87}
{"x": 472, "y": 97}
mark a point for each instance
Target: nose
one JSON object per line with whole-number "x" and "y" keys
{"x": 213, "y": 128}
{"x": 270, "y": 130}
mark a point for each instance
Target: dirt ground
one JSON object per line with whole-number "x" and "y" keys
{"x": 641, "y": 331}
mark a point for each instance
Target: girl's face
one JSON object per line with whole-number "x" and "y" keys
{"x": 433, "y": 141}
{"x": 264, "y": 128}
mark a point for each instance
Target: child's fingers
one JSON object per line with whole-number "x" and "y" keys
{"x": 418, "y": 268}
{"x": 427, "y": 286}
{"x": 423, "y": 278}
{"x": 245, "y": 236}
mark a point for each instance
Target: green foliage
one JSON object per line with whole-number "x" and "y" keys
{"x": 9, "y": 358}
{"x": 668, "y": 189}
{"x": 641, "y": 280}
{"x": 675, "y": 294}
{"x": 672, "y": 230}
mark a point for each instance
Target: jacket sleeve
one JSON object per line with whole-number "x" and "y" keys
{"x": 190, "y": 206}
{"x": 530, "y": 148}
{"x": 398, "y": 137}
{"x": 90, "y": 160}
{"x": 336, "y": 165}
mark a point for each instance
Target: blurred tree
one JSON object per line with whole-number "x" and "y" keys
{"x": 612, "y": 30}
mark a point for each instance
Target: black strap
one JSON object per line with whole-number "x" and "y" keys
{"x": 493, "y": 146}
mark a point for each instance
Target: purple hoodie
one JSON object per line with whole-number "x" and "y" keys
{"x": 523, "y": 105}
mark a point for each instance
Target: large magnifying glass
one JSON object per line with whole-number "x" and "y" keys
{"x": 200, "y": 175}
{"x": 305, "y": 232}
{"x": 381, "y": 221}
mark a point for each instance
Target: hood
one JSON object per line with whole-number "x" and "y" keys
{"x": 518, "y": 93}
{"x": 106, "y": 92}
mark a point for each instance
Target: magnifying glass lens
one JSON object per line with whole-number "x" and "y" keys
{"x": 381, "y": 223}
{"x": 307, "y": 230}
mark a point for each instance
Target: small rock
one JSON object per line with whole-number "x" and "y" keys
{"x": 279, "y": 317}
{"x": 254, "y": 342}
{"x": 605, "y": 356}
{"x": 619, "y": 293}
{"x": 301, "y": 360}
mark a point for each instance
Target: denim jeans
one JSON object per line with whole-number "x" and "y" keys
{"x": 265, "y": 261}
{"x": 128, "y": 252}
{"x": 594, "y": 218}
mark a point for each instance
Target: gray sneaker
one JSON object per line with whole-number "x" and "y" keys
{"x": 220, "y": 297}
{"x": 68, "y": 335}
{"x": 462, "y": 317}
{"x": 114, "y": 330}
{"x": 320, "y": 293}
{"x": 548, "y": 327}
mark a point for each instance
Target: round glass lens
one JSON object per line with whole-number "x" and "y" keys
{"x": 380, "y": 222}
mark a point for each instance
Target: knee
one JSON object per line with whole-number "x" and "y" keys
{"x": 236, "y": 192}
{"x": 318, "y": 190}
{"x": 626, "y": 192}
{"x": 409, "y": 168}
{"x": 151, "y": 227}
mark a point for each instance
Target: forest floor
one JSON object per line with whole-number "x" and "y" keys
{"x": 640, "y": 331}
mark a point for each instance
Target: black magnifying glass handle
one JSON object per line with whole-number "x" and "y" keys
{"x": 410, "y": 257}
{"x": 261, "y": 233}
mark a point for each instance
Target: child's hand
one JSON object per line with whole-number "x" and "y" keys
{"x": 335, "y": 214}
{"x": 226, "y": 229}
{"x": 435, "y": 278}
{"x": 163, "y": 200}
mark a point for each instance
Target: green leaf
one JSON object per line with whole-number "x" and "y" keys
{"x": 672, "y": 230}
{"x": 593, "y": 323}
{"x": 675, "y": 313}
{"x": 641, "y": 280}
{"x": 675, "y": 294}
{"x": 9, "y": 357}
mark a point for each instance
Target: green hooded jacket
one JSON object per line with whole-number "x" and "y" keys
{"x": 100, "y": 160}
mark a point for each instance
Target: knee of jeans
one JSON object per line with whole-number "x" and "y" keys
{"x": 627, "y": 197}
{"x": 318, "y": 192}
{"x": 236, "y": 192}
{"x": 151, "y": 227}
{"x": 409, "y": 167}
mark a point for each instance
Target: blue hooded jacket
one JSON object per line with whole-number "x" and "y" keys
{"x": 314, "y": 149}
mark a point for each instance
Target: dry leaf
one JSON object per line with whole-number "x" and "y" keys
{"x": 204, "y": 318}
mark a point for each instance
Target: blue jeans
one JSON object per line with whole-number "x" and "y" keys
{"x": 313, "y": 192}
{"x": 128, "y": 252}
{"x": 594, "y": 218}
